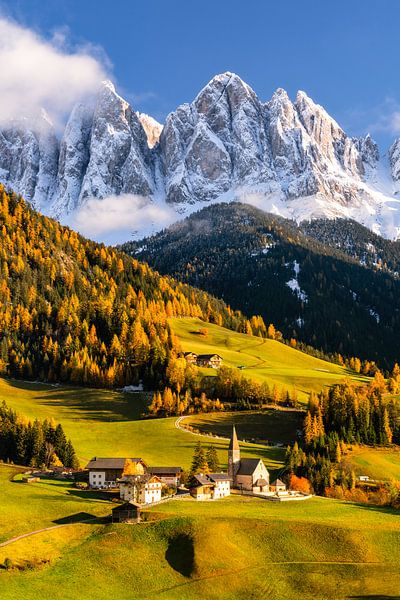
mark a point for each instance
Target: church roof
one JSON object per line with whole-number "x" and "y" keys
{"x": 248, "y": 466}
{"x": 261, "y": 482}
{"x": 234, "y": 444}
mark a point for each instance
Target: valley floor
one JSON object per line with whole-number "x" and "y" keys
{"x": 238, "y": 547}
{"x": 234, "y": 548}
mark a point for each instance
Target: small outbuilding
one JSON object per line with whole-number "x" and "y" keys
{"x": 129, "y": 512}
{"x": 277, "y": 486}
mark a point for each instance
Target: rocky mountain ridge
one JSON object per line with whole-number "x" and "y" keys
{"x": 289, "y": 158}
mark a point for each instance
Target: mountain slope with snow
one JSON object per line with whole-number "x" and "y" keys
{"x": 288, "y": 158}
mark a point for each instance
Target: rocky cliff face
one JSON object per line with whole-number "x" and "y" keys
{"x": 226, "y": 144}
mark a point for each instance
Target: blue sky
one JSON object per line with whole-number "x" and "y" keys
{"x": 344, "y": 54}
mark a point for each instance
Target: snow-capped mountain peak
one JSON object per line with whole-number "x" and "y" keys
{"x": 292, "y": 157}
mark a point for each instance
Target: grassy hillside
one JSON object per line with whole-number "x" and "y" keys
{"x": 276, "y": 426}
{"x": 235, "y": 548}
{"x": 263, "y": 359}
{"x": 378, "y": 463}
{"x": 104, "y": 423}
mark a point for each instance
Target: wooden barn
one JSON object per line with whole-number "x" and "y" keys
{"x": 129, "y": 512}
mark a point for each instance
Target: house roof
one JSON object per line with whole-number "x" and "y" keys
{"x": 164, "y": 470}
{"x": 208, "y": 356}
{"x": 110, "y": 463}
{"x": 261, "y": 482}
{"x": 126, "y": 506}
{"x": 142, "y": 478}
{"x": 277, "y": 482}
{"x": 248, "y": 466}
{"x": 219, "y": 477}
{"x": 203, "y": 480}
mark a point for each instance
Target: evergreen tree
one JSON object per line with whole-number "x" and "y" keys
{"x": 212, "y": 460}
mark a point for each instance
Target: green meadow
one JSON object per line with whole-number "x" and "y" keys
{"x": 106, "y": 423}
{"x": 262, "y": 359}
{"x": 236, "y": 548}
{"x": 377, "y": 463}
{"x": 277, "y": 426}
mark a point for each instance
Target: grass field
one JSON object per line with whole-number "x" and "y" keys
{"x": 378, "y": 463}
{"x": 264, "y": 360}
{"x": 104, "y": 423}
{"x": 236, "y": 548}
{"x": 268, "y": 426}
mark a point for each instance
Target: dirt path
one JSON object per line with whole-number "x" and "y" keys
{"x": 25, "y": 535}
{"x": 207, "y": 435}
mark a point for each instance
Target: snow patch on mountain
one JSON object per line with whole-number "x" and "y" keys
{"x": 293, "y": 284}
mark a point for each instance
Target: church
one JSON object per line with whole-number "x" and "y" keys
{"x": 247, "y": 474}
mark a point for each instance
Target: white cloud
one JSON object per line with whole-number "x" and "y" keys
{"x": 37, "y": 73}
{"x": 381, "y": 119}
{"x": 116, "y": 219}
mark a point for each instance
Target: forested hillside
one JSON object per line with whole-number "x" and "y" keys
{"x": 314, "y": 292}
{"x": 73, "y": 310}
{"x": 357, "y": 241}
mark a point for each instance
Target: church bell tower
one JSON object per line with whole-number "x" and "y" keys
{"x": 233, "y": 457}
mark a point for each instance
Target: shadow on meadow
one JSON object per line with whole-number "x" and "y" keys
{"x": 376, "y": 508}
{"x": 88, "y": 403}
{"x": 180, "y": 554}
{"x": 79, "y": 517}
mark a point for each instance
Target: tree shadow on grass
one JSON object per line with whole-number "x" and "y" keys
{"x": 180, "y": 554}
{"x": 104, "y": 495}
{"x": 88, "y": 403}
{"x": 75, "y": 518}
{"x": 373, "y": 507}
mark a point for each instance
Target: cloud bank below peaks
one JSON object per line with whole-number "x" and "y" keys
{"x": 44, "y": 74}
{"x": 117, "y": 219}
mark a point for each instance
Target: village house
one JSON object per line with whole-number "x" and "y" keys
{"x": 209, "y": 360}
{"x": 211, "y": 486}
{"x": 168, "y": 475}
{"x": 202, "y": 360}
{"x": 129, "y": 512}
{"x": 143, "y": 489}
{"x": 247, "y": 474}
{"x": 104, "y": 472}
{"x": 191, "y": 357}
{"x": 222, "y": 484}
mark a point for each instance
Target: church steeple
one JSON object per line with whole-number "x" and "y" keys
{"x": 233, "y": 456}
{"x": 234, "y": 444}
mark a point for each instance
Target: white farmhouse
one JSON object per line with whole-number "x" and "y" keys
{"x": 104, "y": 472}
{"x": 143, "y": 489}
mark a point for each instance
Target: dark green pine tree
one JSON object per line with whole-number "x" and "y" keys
{"x": 213, "y": 460}
{"x": 199, "y": 464}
